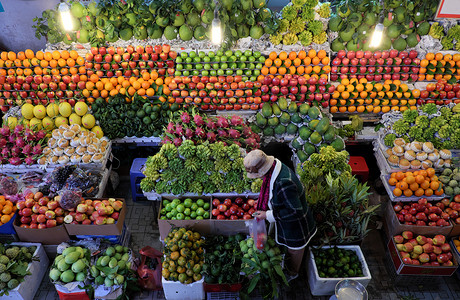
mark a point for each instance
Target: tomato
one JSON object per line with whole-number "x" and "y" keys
{"x": 238, "y": 201}
{"x": 246, "y": 207}
{"x": 215, "y": 212}
{"x": 247, "y": 217}
{"x": 215, "y": 202}
{"x": 233, "y": 217}
{"x": 220, "y": 217}
{"x": 222, "y": 207}
{"x": 228, "y": 202}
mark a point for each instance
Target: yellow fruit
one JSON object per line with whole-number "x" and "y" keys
{"x": 35, "y": 123}
{"x": 12, "y": 122}
{"x": 88, "y": 121}
{"x": 39, "y": 111}
{"x": 48, "y": 123}
{"x": 65, "y": 109}
{"x": 98, "y": 131}
{"x": 74, "y": 119}
{"x": 52, "y": 110}
{"x": 81, "y": 108}
{"x": 27, "y": 111}
{"x": 60, "y": 121}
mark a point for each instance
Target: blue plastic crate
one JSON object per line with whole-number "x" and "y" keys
{"x": 136, "y": 176}
{"x": 8, "y": 227}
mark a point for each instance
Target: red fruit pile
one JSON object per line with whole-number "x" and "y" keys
{"x": 38, "y": 211}
{"x": 423, "y": 250}
{"x": 452, "y": 208}
{"x": 233, "y": 210}
{"x": 98, "y": 212}
{"x": 441, "y": 93}
{"x": 376, "y": 66}
{"x": 422, "y": 213}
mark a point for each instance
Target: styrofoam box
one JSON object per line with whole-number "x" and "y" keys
{"x": 174, "y": 290}
{"x": 27, "y": 289}
{"x": 326, "y": 286}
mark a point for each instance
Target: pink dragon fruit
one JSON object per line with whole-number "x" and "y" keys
{"x": 200, "y": 132}
{"x": 211, "y": 136}
{"x": 20, "y": 142}
{"x": 12, "y": 139}
{"x": 189, "y": 133}
{"x": 29, "y": 160}
{"x": 251, "y": 143}
{"x": 177, "y": 142}
{"x": 5, "y": 131}
{"x": 247, "y": 131}
{"x": 170, "y": 128}
{"x": 40, "y": 135}
{"x": 6, "y": 152}
{"x": 222, "y": 133}
{"x": 18, "y": 129}
{"x": 234, "y": 134}
{"x": 198, "y": 120}
{"x": 236, "y": 120}
{"x": 185, "y": 117}
{"x": 14, "y": 161}
{"x": 179, "y": 129}
{"x": 3, "y": 142}
{"x": 166, "y": 140}
{"x": 237, "y": 143}
{"x": 222, "y": 122}
{"x": 37, "y": 150}
{"x": 27, "y": 149}
{"x": 211, "y": 124}
{"x": 29, "y": 135}
{"x": 15, "y": 151}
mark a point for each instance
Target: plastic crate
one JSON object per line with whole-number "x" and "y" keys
{"x": 135, "y": 175}
{"x": 223, "y": 296}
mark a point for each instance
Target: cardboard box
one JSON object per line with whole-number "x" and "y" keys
{"x": 201, "y": 226}
{"x": 320, "y": 286}
{"x": 108, "y": 229}
{"x": 174, "y": 290}
{"x": 403, "y": 269}
{"x": 47, "y": 236}
{"x": 228, "y": 227}
{"x": 28, "y": 288}
{"x": 395, "y": 227}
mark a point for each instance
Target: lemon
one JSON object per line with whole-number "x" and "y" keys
{"x": 12, "y": 122}
{"x": 35, "y": 123}
{"x": 27, "y": 111}
{"x": 48, "y": 123}
{"x": 60, "y": 121}
{"x": 74, "y": 119}
{"x": 88, "y": 121}
{"x": 52, "y": 110}
{"x": 39, "y": 111}
{"x": 81, "y": 108}
{"x": 98, "y": 131}
{"x": 65, "y": 109}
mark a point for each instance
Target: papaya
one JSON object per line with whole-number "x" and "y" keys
{"x": 302, "y": 156}
{"x": 330, "y": 134}
{"x": 273, "y": 121}
{"x": 276, "y": 109}
{"x": 314, "y": 112}
{"x": 292, "y": 108}
{"x": 296, "y": 144}
{"x": 280, "y": 129}
{"x": 296, "y": 118}
{"x": 267, "y": 110}
{"x": 260, "y": 120}
{"x": 309, "y": 148}
{"x": 268, "y": 131}
{"x": 285, "y": 118}
{"x": 313, "y": 124}
{"x": 291, "y": 129}
{"x": 338, "y": 144}
{"x": 303, "y": 109}
{"x": 304, "y": 133}
{"x": 282, "y": 103}
{"x": 322, "y": 126}
{"x": 315, "y": 138}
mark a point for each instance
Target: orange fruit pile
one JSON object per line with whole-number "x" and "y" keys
{"x": 7, "y": 210}
{"x": 457, "y": 243}
{"x": 437, "y": 66}
{"x": 421, "y": 183}
{"x": 359, "y": 95}
{"x": 300, "y": 63}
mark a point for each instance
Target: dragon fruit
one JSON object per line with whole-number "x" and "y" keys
{"x": 222, "y": 122}
{"x": 166, "y": 140}
{"x": 27, "y": 149}
{"x": 189, "y": 133}
{"x": 15, "y": 151}
{"x": 211, "y": 124}
{"x": 222, "y": 133}
{"x": 237, "y": 143}
{"x": 29, "y": 135}
{"x": 234, "y": 134}
{"x": 211, "y": 136}
{"x": 247, "y": 131}
{"x": 40, "y": 135}
{"x": 18, "y": 129}
{"x": 251, "y": 143}
{"x": 29, "y": 160}
{"x": 14, "y": 161}
{"x": 20, "y": 142}
{"x": 185, "y": 117}
{"x": 37, "y": 150}
{"x": 198, "y": 120}
{"x": 12, "y": 139}
{"x": 200, "y": 132}
{"x": 5, "y": 152}
{"x": 5, "y": 131}
{"x": 3, "y": 142}
{"x": 177, "y": 142}
{"x": 179, "y": 129}
{"x": 170, "y": 128}
{"x": 236, "y": 120}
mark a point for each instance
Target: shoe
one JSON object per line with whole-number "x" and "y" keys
{"x": 290, "y": 277}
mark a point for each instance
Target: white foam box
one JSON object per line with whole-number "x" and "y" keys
{"x": 28, "y": 288}
{"x": 320, "y": 286}
{"x": 174, "y": 290}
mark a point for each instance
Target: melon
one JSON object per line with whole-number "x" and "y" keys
{"x": 81, "y": 108}
{"x": 65, "y": 109}
{"x": 88, "y": 121}
{"x": 27, "y": 111}
{"x": 52, "y": 110}
{"x": 39, "y": 111}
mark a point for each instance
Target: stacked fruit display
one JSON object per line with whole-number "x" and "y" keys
{"x": 39, "y": 212}
{"x": 220, "y": 63}
{"x": 72, "y": 144}
{"x": 376, "y": 66}
{"x": 355, "y": 23}
{"x": 200, "y": 169}
{"x": 299, "y": 63}
{"x": 345, "y": 263}
{"x": 423, "y": 213}
{"x": 111, "y": 266}
{"x": 441, "y": 93}
{"x": 20, "y": 145}
{"x": 358, "y": 96}
{"x": 422, "y": 250}
{"x": 71, "y": 265}
{"x": 436, "y": 66}
{"x": 430, "y": 123}
{"x": 7, "y": 210}
{"x": 187, "y": 209}
{"x": 183, "y": 256}
{"x": 14, "y": 262}
{"x": 200, "y": 127}
{"x": 456, "y": 242}
{"x": 450, "y": 177}
{"x": 95, "y": 212}
{"x": 418, "y": 183}
{"x": 233, "y": 210}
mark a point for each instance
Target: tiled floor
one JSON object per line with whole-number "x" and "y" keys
{"x": 144, "y": 231}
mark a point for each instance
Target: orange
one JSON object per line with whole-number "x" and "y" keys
{"x": 292, "y": 55}
{"x": 56, "y": 54}
{"x": 414, "y": 186}
{"x": 73, "y": 54}
{"x": 342, "y": 109}
{"x": 273, "y": 70}
{"x": 5, "y": 219}
{"x": 428, "y": 192}
{"x": 11, "y": 55}
{"x": 278, "y": 62}
{"x": 300, "y": 70}
{"x": 268, "y": 62}
{"x": 297, "y": 61}
{"x": 439, "y": 192}
{"x": 434, "y": 185}
{"x": 430, "y": 172}
{"x": 425, "y": 184}
{"x": 399, "y": 175}
{"x": 283, "y": 55}
{"x": 392, "y": 181}
{"x": 307, "y": 61}
{"x": 315, "y": 60}
{"x": 312, "y": 53}
{"x": 419, "y": 178}
{"x": 410, "y": 179}
{"x": 419, "y": 192}
{"x": 7, "y": 209}
{"x": 302, "y": 54}
{"x": 397, "y": 192}
{"x": 264, "y": 70}
{"x": 351, "y": 108}
{"x": 29, "y": 54}
{"x": 424, "y": 173}
{"x": 333, "y": 109}
{"x": 273, "y": 55}
{"x": 287, "y": 63}
{"x": 360, "y": 109}
{"x": 408, "y": 193}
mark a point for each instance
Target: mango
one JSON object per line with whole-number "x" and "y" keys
{"x": 67, "y": 276}
{"x": 72, "y": 257}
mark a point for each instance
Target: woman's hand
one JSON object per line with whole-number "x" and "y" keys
{"x": 260, "y": 214}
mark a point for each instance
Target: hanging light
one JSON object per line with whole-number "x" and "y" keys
{"x": 66, "y": 18}
{"x": 216, "y": 28}
{"x": 377, "y": 36}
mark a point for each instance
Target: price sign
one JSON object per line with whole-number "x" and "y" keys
{"x": 448, "y": 9}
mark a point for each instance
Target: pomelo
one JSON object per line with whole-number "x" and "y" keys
{"x": 27, "y": 111}
{"x": 65, "y": 109}
{"x": 170, "y": 32}
{"x": 81, "y": 108}
{"x": 185, "y": 33}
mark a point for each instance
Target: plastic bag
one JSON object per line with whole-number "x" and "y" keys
{"x": 258, "y": 232}
{"x": 8, "y": 186}
{"x": 149, "y": 269}
{"x": 88, "y": 183}
{"x": 69, "y": 198}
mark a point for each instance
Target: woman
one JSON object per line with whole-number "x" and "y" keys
{"x": 282, "y": 202}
